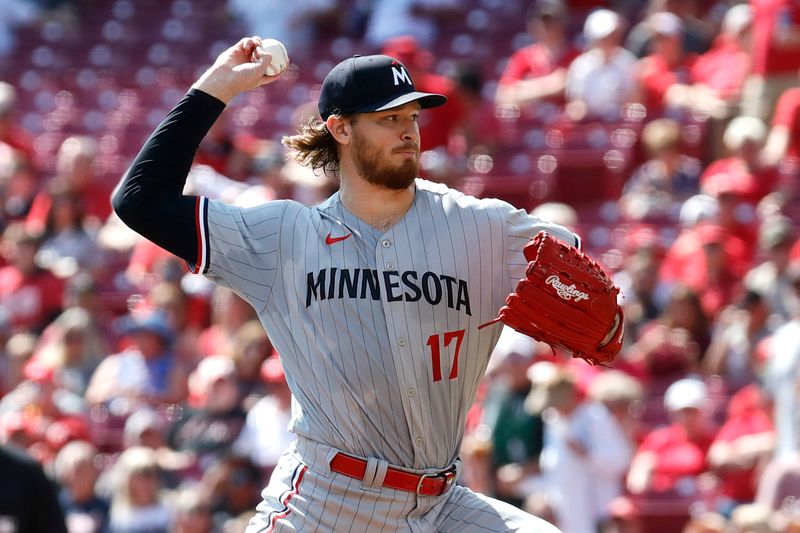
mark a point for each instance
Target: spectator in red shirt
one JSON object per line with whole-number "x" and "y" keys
{"x": 669, "y": 347}
{"x": 538, "y": 72}
{"x": 744, "y": 442}
{"x": 710, "y": 258}
{"x": 436, "y": 127}
{"x": 480, "y": 129}
{"x": 75, "y": 172}
{"x": 784, "y": 136}
{"x": 776, "y": 55}
{"x": 717, "y": 76}
{"x": 32, "y": 295}
{"x": 670, "y": 459}
{"x": 717, "y": 282}
{"x": 667, "y": 65}
{"x": 743, "y": 172}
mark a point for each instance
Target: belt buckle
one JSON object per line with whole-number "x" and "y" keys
{"x": 449, "y": 476}
{"x": 421, "y": 479}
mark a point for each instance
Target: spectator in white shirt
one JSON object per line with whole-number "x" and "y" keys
{"x": 602, "y": 79}
{"x": 587, "y": 447}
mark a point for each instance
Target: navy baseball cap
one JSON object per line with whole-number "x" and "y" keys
{"x": 363, "y": 84}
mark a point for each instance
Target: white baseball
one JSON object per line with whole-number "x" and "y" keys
{"x": 280, "y": 58}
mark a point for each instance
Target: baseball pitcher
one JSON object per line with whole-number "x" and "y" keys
{"x": 374, "y": 299}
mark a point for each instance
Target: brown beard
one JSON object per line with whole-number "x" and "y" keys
{"x": 377, "y": 170}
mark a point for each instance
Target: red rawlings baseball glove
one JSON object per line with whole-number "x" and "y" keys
{"x": 566, "y": 300}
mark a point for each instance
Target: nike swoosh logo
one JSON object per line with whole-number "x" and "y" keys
{"x": 333, "y": 240}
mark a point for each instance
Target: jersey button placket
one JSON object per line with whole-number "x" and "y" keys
{"x": 386, "y": 243}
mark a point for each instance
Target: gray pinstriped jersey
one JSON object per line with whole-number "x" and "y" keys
{"x": 377, "y": 331}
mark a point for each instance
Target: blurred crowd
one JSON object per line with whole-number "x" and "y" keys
{"x": 154, "y": 402}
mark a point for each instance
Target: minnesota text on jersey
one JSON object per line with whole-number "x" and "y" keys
{"x": 409, "y": 286}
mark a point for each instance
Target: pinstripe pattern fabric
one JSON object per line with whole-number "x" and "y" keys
{"x": 369, "y": 326}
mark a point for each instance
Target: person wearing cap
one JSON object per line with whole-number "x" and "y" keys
{"x": 373, "y": 298}
{"x": 743, "y": 171}
{"x": 587, "y": 449}
{"x": 667, "y": 64}
{"x": 146, "y": 371}
{"x": 538, "y": 72}
{"x": 669, "y": 460}
{"x": 602, "y": 79}
{"x": 611, "y": 416}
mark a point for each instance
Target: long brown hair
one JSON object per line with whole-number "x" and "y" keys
{"x": 314, "y": 146}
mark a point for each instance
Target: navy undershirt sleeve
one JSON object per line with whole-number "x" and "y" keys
{"x": 150, "y": 199}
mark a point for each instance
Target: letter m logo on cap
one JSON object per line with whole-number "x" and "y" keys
{"x": 400, "y": 74}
